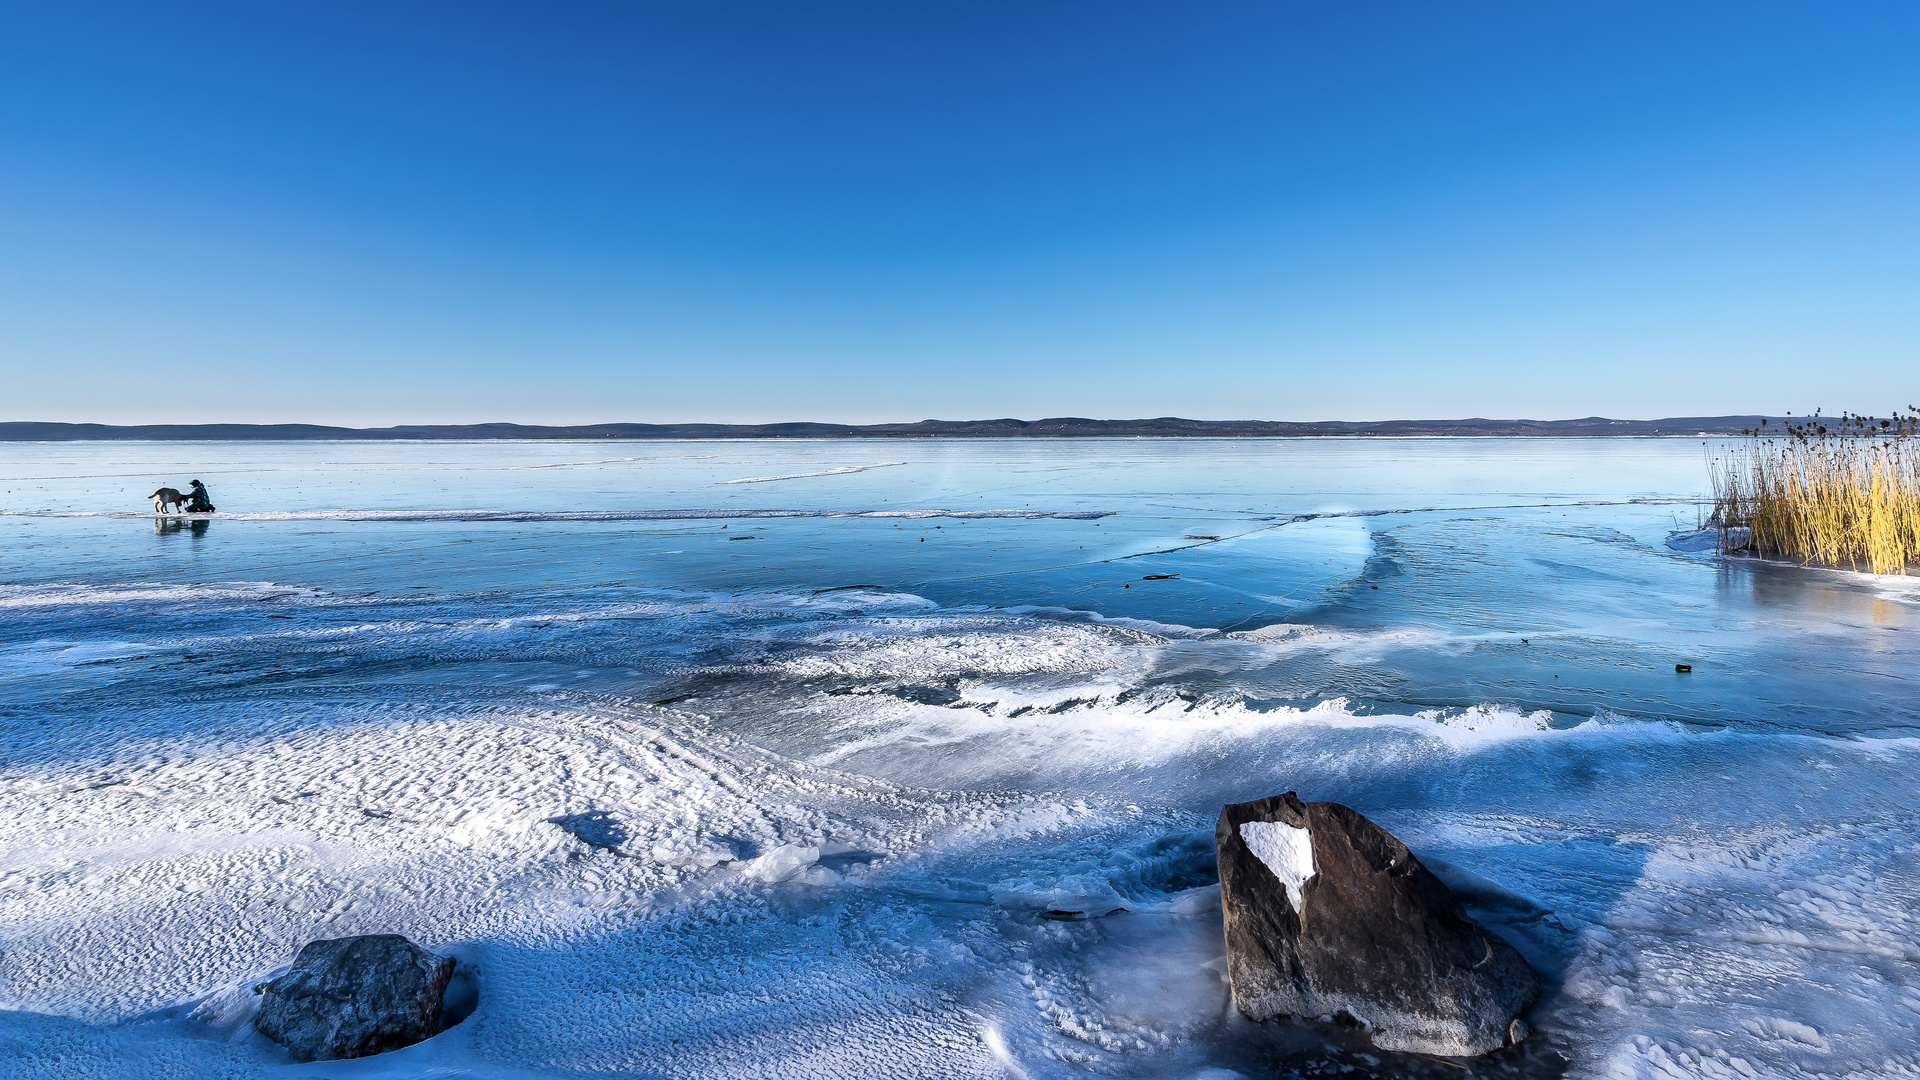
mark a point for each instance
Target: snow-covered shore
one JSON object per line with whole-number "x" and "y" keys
{"x": 646, "y": 889}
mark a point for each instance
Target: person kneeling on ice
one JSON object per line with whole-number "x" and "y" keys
{"x": 197, "y": 501}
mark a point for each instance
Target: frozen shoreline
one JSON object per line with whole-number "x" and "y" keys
{"x": 869, "y": 794}
{"x": 901, "y": 913}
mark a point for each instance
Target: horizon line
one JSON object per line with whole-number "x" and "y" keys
{"x": 1005, "y": 427}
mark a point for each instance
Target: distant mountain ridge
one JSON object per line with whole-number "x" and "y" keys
{"x": 1055, "y": 427}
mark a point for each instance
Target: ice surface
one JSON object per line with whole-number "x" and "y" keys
{"x": 875, "y": 798}
{"x": 1707, "y": 539}
{"x": 842, "y": 470}
{"x": 787, "y": 862}
{"x": 534, "y": 516}
{"x": 1288, "y": 852}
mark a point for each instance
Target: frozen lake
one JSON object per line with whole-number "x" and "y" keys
{"x": 877, "y": 758}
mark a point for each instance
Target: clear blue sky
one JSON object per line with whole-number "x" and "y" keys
{"x": 564, "y": 212}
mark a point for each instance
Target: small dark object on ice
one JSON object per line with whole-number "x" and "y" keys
{"x": 355, "y": 997}
{"x": 197, "y": 501}
{"x": 743, "y": 538}
{"x": 1328, "y": 915}
{"x": 1197, "y": 536}
{"x": 1683, "y": 668}
{"x": 1160, "y": 577}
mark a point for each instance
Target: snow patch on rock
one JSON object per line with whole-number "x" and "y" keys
{"x": 1288, "y": 852}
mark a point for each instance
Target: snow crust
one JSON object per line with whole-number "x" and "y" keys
{"x": 1287, "y": 850}
{"x": 153, "y": 595}
{"x": 768, "y": 833}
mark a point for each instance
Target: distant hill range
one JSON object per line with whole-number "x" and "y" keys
{"x": 1060, "y": 427}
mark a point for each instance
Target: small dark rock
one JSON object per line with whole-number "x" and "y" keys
{"x": 1328, "y": 915}
{"x": 354, "y": 997}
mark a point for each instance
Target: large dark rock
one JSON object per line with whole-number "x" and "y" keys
{"x": 351, "y": 997}
{"x": 1327, "y": 914}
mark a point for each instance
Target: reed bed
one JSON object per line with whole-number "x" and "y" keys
{"x": 1839, "y": 492}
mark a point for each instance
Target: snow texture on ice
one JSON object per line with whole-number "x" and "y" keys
{"x": 641, "y": 888}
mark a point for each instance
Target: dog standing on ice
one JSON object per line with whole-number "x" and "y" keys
{"x": 165, "y": 497}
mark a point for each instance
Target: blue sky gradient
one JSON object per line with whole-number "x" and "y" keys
{"x": 576, "y": 212}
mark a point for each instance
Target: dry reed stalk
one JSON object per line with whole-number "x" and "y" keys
{"x": 1846, "y": 497}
